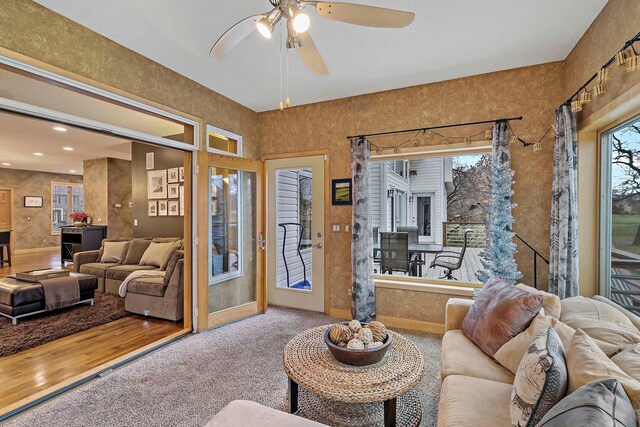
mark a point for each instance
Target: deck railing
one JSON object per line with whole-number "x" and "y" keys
{"x": 453, "y": 234}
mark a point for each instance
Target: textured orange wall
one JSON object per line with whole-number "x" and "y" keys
{"x": 618, "y": 21}
{"x": 533, "y": 92}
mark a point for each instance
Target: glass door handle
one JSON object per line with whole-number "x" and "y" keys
{"x": 317, "y": 246}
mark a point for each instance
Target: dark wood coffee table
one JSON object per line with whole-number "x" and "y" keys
{"x": 19, "y": 298}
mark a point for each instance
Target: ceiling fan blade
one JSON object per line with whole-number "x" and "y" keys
{"x": 369, "y": 16}
{"x": 234, "y": 35}
{"x": 309, "y": 54}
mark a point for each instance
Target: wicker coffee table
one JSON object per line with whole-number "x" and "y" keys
{"x": 308, "y": 363}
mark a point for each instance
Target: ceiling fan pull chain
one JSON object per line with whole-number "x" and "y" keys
{"x": 281, "y": 106}
{"x": 287, "y": 102}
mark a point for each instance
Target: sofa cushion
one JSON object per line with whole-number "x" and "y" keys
{"x": 600, "y": 403}
{"x": 587, "y": 363}
{"x": 136, "y": 250}
{"x": 462, "y": 357}
{"x": 473, "y": 402}
{"x": 577, "y": 312}
{"x": 96, "y": 268}
{"x": 171, "y": 266}
{"x": 114, "y": 251}
{"x": 513, "y": 351}
{"x": 541, "y": 380}
{"x": 243, "y": 413}
{"x": 500, "y": 312}
{"x": 166, "y": 239}
{"x": 121, "y": 239}
{"x": 629, "y": 361}
{"x": 177, "y": 245}
{"x": 147, "y": 286}
{"x": 634, "y": 318}
{"x": 550, "y": 302}
{"x": 120, "y": 272}
{"x": 157, "y": 253}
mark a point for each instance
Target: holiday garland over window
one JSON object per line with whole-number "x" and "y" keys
{"x": 498, "y": 257}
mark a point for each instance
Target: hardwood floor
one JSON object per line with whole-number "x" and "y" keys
{"x": 33, "y": 373}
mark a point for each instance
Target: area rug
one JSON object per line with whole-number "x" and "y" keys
{"x": 43, "y": 328}
{"x": 186, "y": 383}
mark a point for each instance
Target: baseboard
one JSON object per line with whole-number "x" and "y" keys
{"x": 36, "y": 250}
{"x": 414, "y": 325}
{"x": 394, "y": 322}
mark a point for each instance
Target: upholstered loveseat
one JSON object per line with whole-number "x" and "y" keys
{"x": 476, "y": 389}
{"x": 112, "y": 273}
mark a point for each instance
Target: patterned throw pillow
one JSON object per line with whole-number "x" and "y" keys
{"x": 541, "y": 380}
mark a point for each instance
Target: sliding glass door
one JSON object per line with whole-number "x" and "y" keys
{"x": 620, "y": 215}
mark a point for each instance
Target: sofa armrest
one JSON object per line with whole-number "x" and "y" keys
{"x": 85, "y": 257}
{"x": 176, "y": 282}
{"x": 456, "y": 311}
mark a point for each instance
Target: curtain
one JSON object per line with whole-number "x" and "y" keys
{"x": 563, "y": 262}
{"x": 498, "y": 256}
{"x": 363, "y": 305}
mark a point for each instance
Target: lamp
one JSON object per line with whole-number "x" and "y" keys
{"x": 301, "y": 21}
{"x": 266, "y": 24}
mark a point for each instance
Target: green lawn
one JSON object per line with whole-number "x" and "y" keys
{"x": 624, "y": 228}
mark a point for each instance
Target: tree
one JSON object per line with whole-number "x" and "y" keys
{"x": 470, "y": 191}
{"x": 626, "y": 155}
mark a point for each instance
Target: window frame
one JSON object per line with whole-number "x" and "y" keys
{"x": 238, "y": 138}
{"x": 69, "y": 185}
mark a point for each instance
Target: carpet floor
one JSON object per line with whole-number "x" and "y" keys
{"x": 43, "y": 328}
{"x": 189, "y": 381}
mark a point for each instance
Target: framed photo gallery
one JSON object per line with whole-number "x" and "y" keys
{"x": 165, "y": 191}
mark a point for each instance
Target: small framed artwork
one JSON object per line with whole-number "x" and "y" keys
{"x": 157, "y": 184}
{"x": 341, "y": 191}
{"x": 173, "y": 175}
{"x": 33, "y": 201}
{"x": 174, "y": 208}
{"x": 152, "y": 208}
{"x": 181, "y": 174}
{"x": 182, "y": 200}
{"x": 162, "y": 208}
{"x": 149, "y": 161}
{"x": 174, "y": 191}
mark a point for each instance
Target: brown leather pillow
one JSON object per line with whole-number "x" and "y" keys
{"x": 500, "y": 312}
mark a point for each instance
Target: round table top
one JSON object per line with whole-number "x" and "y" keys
{"x": 308, "y": 362}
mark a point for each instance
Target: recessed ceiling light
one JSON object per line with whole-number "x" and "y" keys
{"x": 60, "y": 128}
{"x": 73, "y": 170}
{"x": 38, "y": 154}
{"x": 6, "y": 164}
{"x": 67, "y": 148}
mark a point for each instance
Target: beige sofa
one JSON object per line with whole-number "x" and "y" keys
{"x": 111, "y": 275}
{"x": 476, "y": 390}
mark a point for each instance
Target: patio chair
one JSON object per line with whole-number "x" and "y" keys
{"x": 395, "y": 255}
{"x": 451, "y": 260}
{"x": 412, "y": 230}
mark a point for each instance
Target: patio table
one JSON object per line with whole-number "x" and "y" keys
{"x": 417, "y": 248}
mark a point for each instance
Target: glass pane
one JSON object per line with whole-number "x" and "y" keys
{"x": 232, "y": 238}
{"x": 624, "y": 284}
{"x": 294, "y": 215}
{"x": 223, "y": 143}
{"x": 77, "y": 203}
{"x": 59, "y": 206}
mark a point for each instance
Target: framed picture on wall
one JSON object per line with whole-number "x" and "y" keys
{"x": 150, "y": 162}
{"x": 157, "y": 184}
{"x": 163, "y": 209}
{"x": 181, "y": 174}
{"x": 341, "y": 191}
{"x": 173, "y": 175}
{"x": 174, "y": 208}
{"x": 181, "y": 200}
{"x": 33, "y": 201}
{"x": 152, "y": 208}
{"x": 174, "y": 191}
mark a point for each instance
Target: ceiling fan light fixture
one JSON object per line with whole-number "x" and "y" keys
{"x": 267, "y": 23}
{"x": 301, "y": 22}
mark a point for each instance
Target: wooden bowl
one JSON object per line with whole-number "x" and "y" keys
{"x": 357, "y": 357}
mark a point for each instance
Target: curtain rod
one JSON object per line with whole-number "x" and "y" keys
{"x": 629, "y": 42}
{"x": 399, "y": 132}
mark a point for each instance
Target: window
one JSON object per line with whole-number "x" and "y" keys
{"x": 399, "y": 167}
{"x": 65, "y": 199}
{"x": 223, "y": 142}
{"x": 620, "y": 215}
{"x": 305, "y": 207}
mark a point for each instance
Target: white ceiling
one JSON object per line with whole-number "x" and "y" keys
{"x": 20, "y": 137}
{"x": 448, "y": 39}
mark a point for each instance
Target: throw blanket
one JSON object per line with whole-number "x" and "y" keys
{"x": 60, "y": 292}
{"x": 136, "y": 275}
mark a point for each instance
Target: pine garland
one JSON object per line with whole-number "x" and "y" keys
{"x": 497, "y": 258}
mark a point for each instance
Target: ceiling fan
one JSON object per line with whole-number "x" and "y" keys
{"x": 298, "y": 22}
